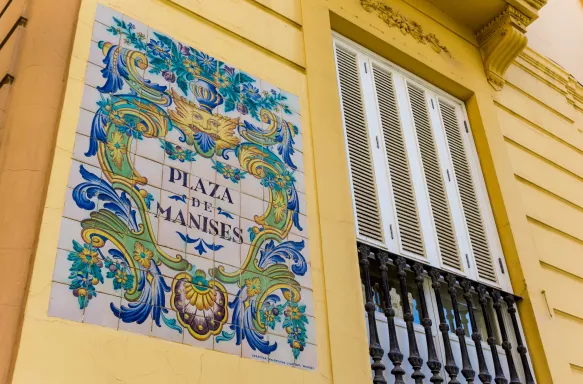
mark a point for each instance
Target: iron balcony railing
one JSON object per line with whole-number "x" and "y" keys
{"x": 468, "y": 306}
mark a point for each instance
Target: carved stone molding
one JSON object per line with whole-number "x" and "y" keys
{"x": 536, "y": 4}
{"x": 501, "y": 40}
{"x": 395, "y": 20}
{"x": 575, "y": 93}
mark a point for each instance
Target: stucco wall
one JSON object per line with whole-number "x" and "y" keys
{"x": 542, "y": 125}
{"x": 264, "y": 41}
{"x": 289, "y": 44}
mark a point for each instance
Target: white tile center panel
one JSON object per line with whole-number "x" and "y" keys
{"x": 185, "y": 216}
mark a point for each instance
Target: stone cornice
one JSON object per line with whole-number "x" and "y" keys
{"x": 553, "y": 75}
{"x": 550, "y": 70}
{"x": 510, "y": 14}
{"x": 536, "y": 4}
{"x": 575, "y": 95}
{"x": 501, "y": 40}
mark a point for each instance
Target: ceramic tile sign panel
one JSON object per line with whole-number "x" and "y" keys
{"x": 183, "y": 220}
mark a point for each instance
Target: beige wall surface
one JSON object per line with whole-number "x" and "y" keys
{"x": 558, "y": 34}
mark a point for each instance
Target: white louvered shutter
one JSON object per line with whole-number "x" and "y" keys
{"x": 398, "y": 163}
{"x": 417, "y": 185}
{"x": 467, "y": 191}
{"x": 438, "y": 199}
{"x": 368, "y": 216}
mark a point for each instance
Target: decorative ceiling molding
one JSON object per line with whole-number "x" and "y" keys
{"x": 395, "y": 20}
{"x": 536, "y": 4}
{"x": 501, "y": 40}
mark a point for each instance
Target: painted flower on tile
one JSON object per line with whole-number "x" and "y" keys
{"x": 85, "y": 259}
{"x": 294, "y": 312}
{"x": 253, "y": 286}
{"x": 242, "y": 108}
{"x": 270, "y": 314}
{"x": 279, "y": 206}
{"x": 228, "y": 172}
{"x": 127, "y": 30}
{"x": 295, "y": 326}
{"x": 142, "y": 255}
{"x": 284, "y": 180}
{"x": 118, "y": 148}
{"x": 269, "y": 182}
{"x": 221, "y": 80}
{"x": 169, "y": 76}
{"x": 191, "y": 66}
{"x": 119, "y": 274}
{"x": 85, "y": 272}
{"x": 157, "y": 48}
{"x": 83, "y": 289}
{"x": 207, "y": 63}
{"x": 176, "y": 152}
{"x": 229, "y": 71}
{"x": 87, "y": 255}
{"x": 184, "y": 49}
{"x": 121, "y": 277}
{"x": 146, "y": 246}
{"x": 251, "y": 93}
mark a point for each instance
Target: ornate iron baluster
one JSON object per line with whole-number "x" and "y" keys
{"x": 520, "y": 347}
{"x": 432, "y": 360}
{"x": 483, "y": 375}
{"x": 505, "y": 343}
{"x": 467, "y": 370}
{"x": 375, "y": 350}
{"x": 394, "y": 354}
{"x": 499, "y": 379}
{"x": 450, "y": 367}
{"x": 414, "y": 358}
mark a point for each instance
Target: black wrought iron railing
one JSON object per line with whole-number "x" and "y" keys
{"x": 466, "y": 311}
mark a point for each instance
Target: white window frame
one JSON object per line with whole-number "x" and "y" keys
{"x": 381, "y": 171}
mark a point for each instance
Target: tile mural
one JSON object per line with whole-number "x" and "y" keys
{"x": 185, "y": 214}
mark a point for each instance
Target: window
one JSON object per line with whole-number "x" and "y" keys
{"x": 416, "y": 181}
{"x": 465, "y": 315}
{"x": 380, "y": 300}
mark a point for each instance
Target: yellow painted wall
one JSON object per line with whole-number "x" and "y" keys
{"x": 542, "y": 124}
{"x": 58, "y": 351}
{"x": 289, "y": 43}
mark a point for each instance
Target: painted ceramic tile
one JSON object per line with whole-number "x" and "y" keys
{"x": 185, "y": 210}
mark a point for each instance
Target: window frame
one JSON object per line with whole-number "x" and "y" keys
{"x": 381, "y": 170}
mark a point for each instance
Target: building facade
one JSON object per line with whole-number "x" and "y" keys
{"x": 247, "y": 191}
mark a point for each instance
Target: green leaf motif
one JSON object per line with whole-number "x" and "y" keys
{"x": 171, "y": 323}
{"x": 164, "y": 39}
{"x": 225, "y": 336}
{"x": 296, "y": 352}
{"x": 229, "y": 106}
{"x": 182, "y": 84}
